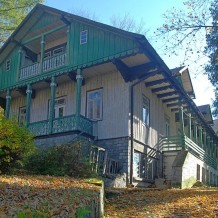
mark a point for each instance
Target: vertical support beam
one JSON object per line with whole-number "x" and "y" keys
{"x": 79, "y": 79}
{"x": 195, "y": 133}
{"x": 201, "y": 137}
{"x": 205, "y": 140}
{"x": 181, "y": 120}
{"x": 28, "y": 103}
{"x": 189, "y": 125}
{"x": 19, "y": 62}
{"x": 68, "y": 44}
{"x": 8, "y": 103}
{"x": 208, "y": 145}
{"x": 52, "y": 104}
{"x": 42, "y": 52}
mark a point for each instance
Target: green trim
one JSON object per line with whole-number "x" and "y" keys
{"x": 8, "y": 103}
{"x": 28, "y": 103}
{"x": 79, "y": 79}
{"x": 52, "y": 104}
{"x": 42, "y": 53}
{"x": 189, "y": 125}
{"x": 45, "y": 33}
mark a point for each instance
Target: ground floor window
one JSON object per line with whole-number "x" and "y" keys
{"x": 139, "y": 165}
{"x": 198, "y": 172}
{"x": 94, "y": 105}
{"x": 22, "y": 115}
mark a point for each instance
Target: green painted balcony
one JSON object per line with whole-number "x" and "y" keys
{"x": 177, "y": 143}
{"x": 62, "y": 125}
{"x": 48, "y": 64}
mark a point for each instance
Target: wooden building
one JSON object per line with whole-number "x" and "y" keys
{"x": 64, "y": 75}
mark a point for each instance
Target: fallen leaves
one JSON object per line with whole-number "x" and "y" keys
{"x": 44, "y": 196}
{"x": 147, "y": 203}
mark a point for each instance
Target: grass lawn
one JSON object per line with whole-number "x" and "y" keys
{"x": 45, "y": 196}
{"x": 172, "y": 203}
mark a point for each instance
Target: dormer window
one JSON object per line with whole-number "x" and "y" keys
{"x": 83, "y": 37}
{"x": 8, "y": 65}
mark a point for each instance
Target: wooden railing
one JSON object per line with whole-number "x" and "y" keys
{"x": 177, "y": 143}
{"x": 63, "y": 124}
{"x": 47, "y": 65}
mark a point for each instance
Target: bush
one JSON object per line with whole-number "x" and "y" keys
{"x": 16, "y": 142}
{"x": 59, "y": 161}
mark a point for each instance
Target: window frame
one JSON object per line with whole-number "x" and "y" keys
{"x": 58, "y": 106}
{"x": 146, "y": 120}
{"x": 83, "y": 37}
{"x": 101, "y": 104}
{"x": 19, "y": 115}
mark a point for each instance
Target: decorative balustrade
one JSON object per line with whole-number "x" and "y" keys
{"x": 63, "y": 124}
{"x": 29, "y": 71}
{"x": 54, "y": 62}
{"x": 39, "y": 128}
{"x": 177, "y": 143}
{"x": 48, "y": 64}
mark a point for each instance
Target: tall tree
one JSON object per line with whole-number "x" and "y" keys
{"x": 12, "y": 12}
{"x": 185, "y": 29}
{"x": 212, "y": 52}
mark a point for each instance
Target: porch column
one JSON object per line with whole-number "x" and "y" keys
{"x": 42, "y": 52}
{"x": 79, "y": 79}
{"x": 181, "y": 120}
{"x": 28, "y": 103}
{"x": 200, "y": 137}
{"x": 205, "y": 140}
{"x": 195, "y": 133}
{"x": 189, "y": 125}
{"x": 19, "y": 62}
{"x": 68, "y": 45}
{"x": 52, "y": 104}
{"x": 8, "y": 103}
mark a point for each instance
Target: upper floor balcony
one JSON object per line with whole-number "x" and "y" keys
{"x": 48, "y": 64}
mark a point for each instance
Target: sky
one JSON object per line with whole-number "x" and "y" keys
{"x": 151, "y": 13}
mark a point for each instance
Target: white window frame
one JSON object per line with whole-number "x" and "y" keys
{"x": 145, "y": 111}
{"x": 96, "y": 112}
{"x": 57, "y": 107}
{"x": 8, "y": 65}
{"x": 83, "y": 37}
{"x": 167, "y": 126}
{"x": 22, "y": 115}
{"x": 59, "y": 50}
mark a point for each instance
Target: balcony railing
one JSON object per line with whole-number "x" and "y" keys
{"x": 47, "y": 65}
{"x": 177, "y": 143}
{"x": 60, "y": 125}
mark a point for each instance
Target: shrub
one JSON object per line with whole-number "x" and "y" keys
{"x": 59, "y": 161}
{"x": 16, "y": 142}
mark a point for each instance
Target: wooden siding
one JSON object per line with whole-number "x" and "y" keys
{"x": 102, "y": 46}
{"x": 158, "y": 114}
{"x": 115, "y": 103}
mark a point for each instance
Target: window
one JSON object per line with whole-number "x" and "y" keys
{"x": 83, "y": 37}
{"x": 59, "y": 50}
{"x": 145, "y": 111}
{"x": 198, "y": 172}
{"x": 59, "y": 109}
{"x": 22, "y": 115}
{"x": 47, "y": 54}
{"x": 8, "y": 65}
{"x": 139, "y": 164}
{"x": 94, "y": 104}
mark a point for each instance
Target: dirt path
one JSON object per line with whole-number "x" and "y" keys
{"x": 144, "y": 203}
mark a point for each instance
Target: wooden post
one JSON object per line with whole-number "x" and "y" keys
{"x": 28, "y": 103}
{"x": 8, "y": 103}
{"x": 204, "y": 140}
{"x": 200, "y": 137}
{"x": 181, "y": 120}
{"x": 195, "y": 133}
{"x": 68, "y": 44}
{"x": 52, "y": 104}
{"x": 79, "y": 79}
{"x": 189, "y": 125}
{"x": 19, "y": 62}
{"x": 42, "y": 53}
